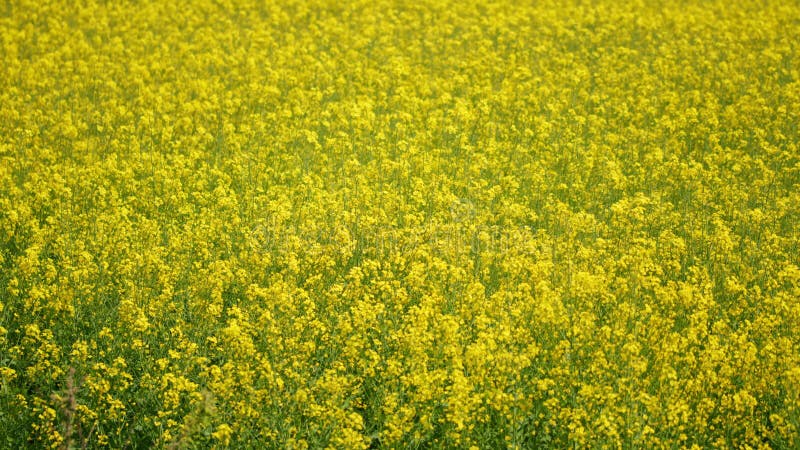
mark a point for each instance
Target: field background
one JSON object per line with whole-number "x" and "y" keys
{"x": 311, "y": 224}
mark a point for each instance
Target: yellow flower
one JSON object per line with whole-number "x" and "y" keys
{"x": 223, "y": 434}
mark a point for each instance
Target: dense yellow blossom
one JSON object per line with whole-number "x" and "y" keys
{"x": 387, "y": 224}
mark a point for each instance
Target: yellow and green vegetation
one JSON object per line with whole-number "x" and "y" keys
{"x": 389, "y": 224}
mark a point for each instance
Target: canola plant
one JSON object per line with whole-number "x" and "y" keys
{"x": 388, "y": 224}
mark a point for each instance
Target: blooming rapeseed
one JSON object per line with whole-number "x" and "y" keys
{"x": 386, "y": 224}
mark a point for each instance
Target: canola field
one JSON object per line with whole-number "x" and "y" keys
{"x": 397, "y": 225}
